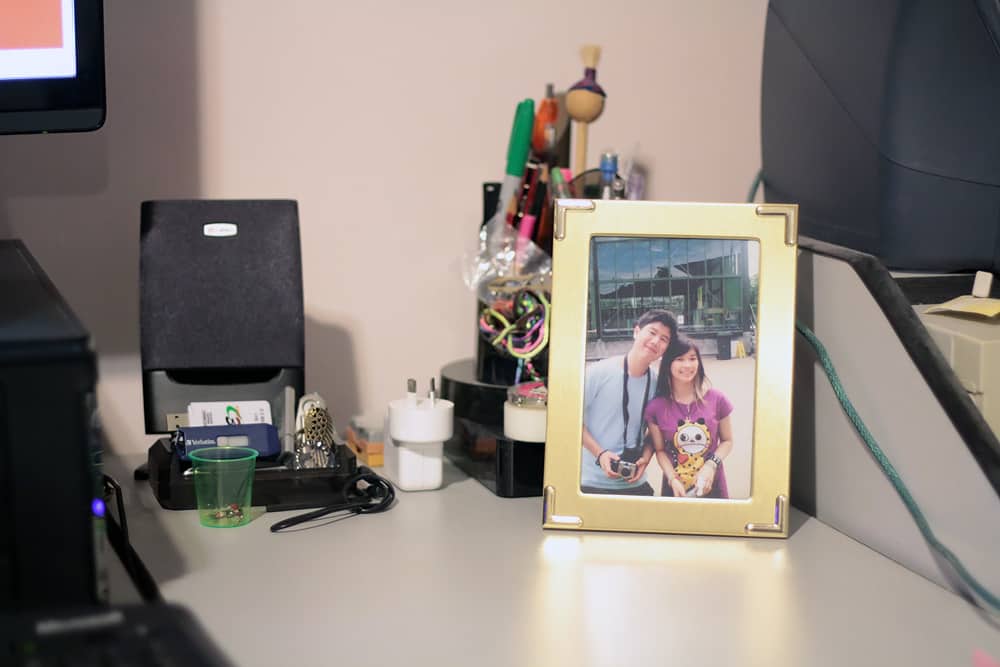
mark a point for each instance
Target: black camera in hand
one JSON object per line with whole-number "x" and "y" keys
{"x": 624, "y": 468}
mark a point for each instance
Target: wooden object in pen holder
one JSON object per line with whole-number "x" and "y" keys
{"x": 585, "y": 103}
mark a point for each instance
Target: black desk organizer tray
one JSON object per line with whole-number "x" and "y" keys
{"x": 509, "y": 468}
{"x": 275, "y": 487}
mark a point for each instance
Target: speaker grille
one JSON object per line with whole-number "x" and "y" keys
{"x": 221, "y": 301}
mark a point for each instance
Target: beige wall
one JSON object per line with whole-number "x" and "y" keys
{"x": 382, "y": 119}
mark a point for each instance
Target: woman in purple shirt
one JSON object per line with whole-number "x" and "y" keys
{"x": 689, "y": 423}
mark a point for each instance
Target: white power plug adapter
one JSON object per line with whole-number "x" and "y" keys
{"x": 418, "y": 427}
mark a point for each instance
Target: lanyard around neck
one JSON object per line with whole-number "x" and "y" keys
{"x": 645, "y": 399}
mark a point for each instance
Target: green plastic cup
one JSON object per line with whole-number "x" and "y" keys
{"x": 223, "y": 485}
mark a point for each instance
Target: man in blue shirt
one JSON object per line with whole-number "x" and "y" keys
{"x": 615, "y": 393}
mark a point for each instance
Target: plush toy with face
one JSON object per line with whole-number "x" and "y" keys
{"x": 691, "y": 442}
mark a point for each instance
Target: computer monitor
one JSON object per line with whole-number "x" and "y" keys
{"x": 51, "y": 506}
{"x": 879, "y": 118}
{"x": 51, "y": 66}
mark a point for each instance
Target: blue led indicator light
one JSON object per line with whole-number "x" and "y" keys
{"x": 97, "y": 507}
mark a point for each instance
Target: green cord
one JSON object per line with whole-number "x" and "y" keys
{"x": 890, "y": 472}
{"x": 883, "y": 460}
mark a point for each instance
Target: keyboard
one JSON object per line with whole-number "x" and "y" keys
{"x": 153, "y": 635}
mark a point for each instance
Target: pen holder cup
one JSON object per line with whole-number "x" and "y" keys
{"x": 492, "y": 367}
{"x": 497, "y": 368}
{"x": 587, "y": 185}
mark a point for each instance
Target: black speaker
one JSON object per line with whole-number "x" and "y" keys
{"x": 221, "y": 310}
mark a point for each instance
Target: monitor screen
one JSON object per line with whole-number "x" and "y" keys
{"x": 51, "y": 66}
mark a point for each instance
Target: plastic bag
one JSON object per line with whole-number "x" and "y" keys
{"x": 503, "y": 259}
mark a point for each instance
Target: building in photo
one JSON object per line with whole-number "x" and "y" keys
{"x": 709, "y": 284}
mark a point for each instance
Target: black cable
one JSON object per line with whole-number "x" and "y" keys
{"x": 115, "y": 488}
{"x": 119, "y": 540}
{"x": 375, "y": 496}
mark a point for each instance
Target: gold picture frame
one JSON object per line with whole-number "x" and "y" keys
{"x": 615, "y": 262}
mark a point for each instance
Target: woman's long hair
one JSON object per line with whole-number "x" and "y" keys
{"x": 664, "y": 382}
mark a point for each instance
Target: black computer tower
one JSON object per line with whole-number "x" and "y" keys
{"x": 52, "y": 535}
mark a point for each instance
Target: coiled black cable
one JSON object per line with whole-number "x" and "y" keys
{"x": 363, "y": 493}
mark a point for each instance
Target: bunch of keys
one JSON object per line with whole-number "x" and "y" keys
{"x": 315, "y": 435}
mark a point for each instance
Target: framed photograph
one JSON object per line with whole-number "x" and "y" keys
{"x": 670, "y": 367}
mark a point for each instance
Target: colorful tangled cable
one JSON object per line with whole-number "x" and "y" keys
{"x": 518, "y": 328}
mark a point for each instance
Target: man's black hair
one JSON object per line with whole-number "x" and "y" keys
{"x": 664, "y": 317}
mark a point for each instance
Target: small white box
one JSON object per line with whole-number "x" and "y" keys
{"x": 220, "y": 413}
{"x": 982, "y": 284}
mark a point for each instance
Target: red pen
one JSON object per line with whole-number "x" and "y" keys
{"x": 525, "y": 193}
{"x": 524, "y": 232}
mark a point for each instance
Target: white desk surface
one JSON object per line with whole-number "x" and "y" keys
{"x": 459, "y": 576}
